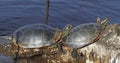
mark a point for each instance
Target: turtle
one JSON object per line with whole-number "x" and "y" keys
{"x": 35, "y": 36}
{"x": 84, "y": 35}
{"x": 30, "y": 38}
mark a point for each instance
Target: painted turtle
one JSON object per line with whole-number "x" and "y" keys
{"x": 33, "y": 36}
{"x": 84, "y": 35}
{"x": 28, "y": 40}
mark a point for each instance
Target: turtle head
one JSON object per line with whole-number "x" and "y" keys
{"x": 60, "y": 34}
{"x": 103, "y": 23}
{"x": 66, "y": 30}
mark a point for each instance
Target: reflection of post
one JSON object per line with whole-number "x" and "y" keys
{"x": 47, "y": 11}
{"x": 16, "y": 57}
{"x": 34, "y": 59}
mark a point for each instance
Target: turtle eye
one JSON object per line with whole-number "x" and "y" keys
{"x": 69, "y": 26}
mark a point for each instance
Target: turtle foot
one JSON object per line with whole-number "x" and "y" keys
{"x": 60, "y": 48}
{"x": 74, "y": 54}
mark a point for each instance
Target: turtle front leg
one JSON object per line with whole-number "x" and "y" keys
{"x": 60, "y": 49}
{"x": 74, "y": 53}
{"x": 76, "y": 56}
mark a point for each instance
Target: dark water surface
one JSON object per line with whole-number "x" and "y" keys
{"x": 17, "y": 13}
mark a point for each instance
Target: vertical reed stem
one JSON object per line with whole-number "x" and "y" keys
{"x": 47, "y": 10}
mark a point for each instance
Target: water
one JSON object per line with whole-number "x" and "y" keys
{"x": 17, "y": 13}
{"x": 4, "y": 59}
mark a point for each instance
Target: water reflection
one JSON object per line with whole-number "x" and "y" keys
{"x": 35, "y": 59}
{"x": 5, "y": 59}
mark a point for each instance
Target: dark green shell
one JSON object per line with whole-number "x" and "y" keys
{"x": 33, "y": 36}
{"x": 82, "y": 34}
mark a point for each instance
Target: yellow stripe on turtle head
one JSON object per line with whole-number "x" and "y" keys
{"x": 66, "y": 30}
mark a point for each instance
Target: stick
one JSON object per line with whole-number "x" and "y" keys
{"x": 47, "y": 11}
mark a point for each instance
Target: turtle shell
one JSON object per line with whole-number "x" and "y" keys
{"x": 34, "y": 35}
{"x": 82, "y": 34}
